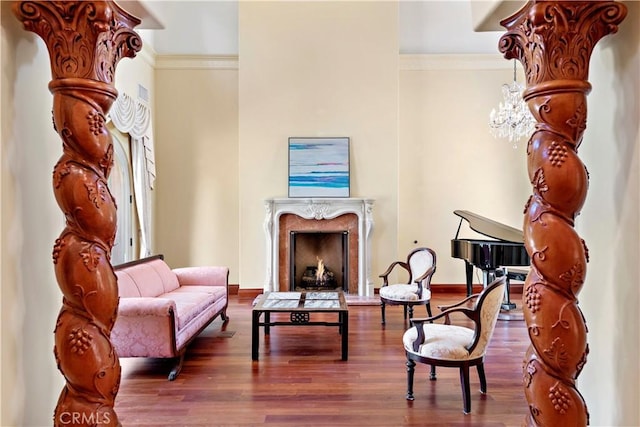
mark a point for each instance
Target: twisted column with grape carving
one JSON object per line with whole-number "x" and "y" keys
{"x": 85, "y": 40}
{"x": 554, "y": 41}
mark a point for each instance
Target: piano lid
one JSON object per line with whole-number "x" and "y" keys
{"x": 490, "y": 227}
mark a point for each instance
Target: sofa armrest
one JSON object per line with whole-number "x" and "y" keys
{"x": 146, "y": 306}
{"x": 202, "y": 276}
{"x": 145, "y": 327}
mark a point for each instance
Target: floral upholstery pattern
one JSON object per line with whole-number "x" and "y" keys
{"x": 488, "y": 318}
{"x": 419, "y": 262}
{"x": 442, "y": 341}
{"x": 161, "y": 310}
{"x": 451, "y": 342}
{"x": 403, "y": 292}
{"x": 144, "y": 328}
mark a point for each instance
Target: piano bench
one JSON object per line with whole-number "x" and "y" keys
{"x": 516, "y": 274}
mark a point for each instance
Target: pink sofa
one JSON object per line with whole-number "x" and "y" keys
{"x": 162, "y": 309}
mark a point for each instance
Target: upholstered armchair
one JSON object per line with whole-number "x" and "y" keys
{"x": 420, "y": 265}
{"x": 448, "y": 345}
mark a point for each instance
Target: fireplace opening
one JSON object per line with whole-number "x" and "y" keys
{"x": 319, "y": 260}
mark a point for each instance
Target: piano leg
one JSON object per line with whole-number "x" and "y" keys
{"x": 488, "y": 276}
{"x": 507, "y": 304}
{"x": 469, "y": 274}
{"x": 508, "y": 310}
{"x": 515, "y": 274}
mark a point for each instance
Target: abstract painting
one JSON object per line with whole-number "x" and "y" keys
{"x": 319, "y": 167}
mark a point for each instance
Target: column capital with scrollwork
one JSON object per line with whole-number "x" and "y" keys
{"x": 554, "y": 41}
{"x": 85, "y": 40}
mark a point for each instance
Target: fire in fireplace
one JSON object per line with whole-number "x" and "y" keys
{"x": 318, "y": 277}
{"x": 319, "y": 260}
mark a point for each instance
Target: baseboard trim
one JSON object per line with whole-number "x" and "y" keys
{"x": 249, "y": 293}
{"x": 514, "y": 288}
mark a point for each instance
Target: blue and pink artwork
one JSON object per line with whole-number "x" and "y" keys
{"x": 318, "y": 167}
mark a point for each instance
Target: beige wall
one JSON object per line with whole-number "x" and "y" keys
{"x": 31, "y": 221}
{"x": 610, "y": 226}
{"x": 457, "y": 166}
{"x": 448, "y": 158}
{"x": 316, "y": 69}
{"x": 197, "y": 165}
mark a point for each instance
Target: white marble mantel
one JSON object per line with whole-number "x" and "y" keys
{"x": 320, "y": 209}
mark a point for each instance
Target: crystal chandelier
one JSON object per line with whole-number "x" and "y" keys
{"x": 513, "y": 119}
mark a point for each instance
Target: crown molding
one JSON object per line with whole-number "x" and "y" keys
{"x": 148, "y": 54}
{"x": 196, "y": 62}
{"x": 406, "y": 62}
{"x": 453, "y": 62}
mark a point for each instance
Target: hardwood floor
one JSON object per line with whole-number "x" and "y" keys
{"x": 301, "y": 381}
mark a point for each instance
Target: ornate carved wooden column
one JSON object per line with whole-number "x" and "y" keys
{"x": 86, "y": 40}
{"x": 554, "y": 41}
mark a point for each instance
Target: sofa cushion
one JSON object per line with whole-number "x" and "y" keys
{"x": 189, "y": 305}
{"x": 149, "y": 279}
{"x": 217, "y": 291}
{"x": 126, "y": 285}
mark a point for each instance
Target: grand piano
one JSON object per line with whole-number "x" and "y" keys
{"x": 490, "y": 255}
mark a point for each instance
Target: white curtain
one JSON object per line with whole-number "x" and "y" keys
{"x": 134, "y": 117}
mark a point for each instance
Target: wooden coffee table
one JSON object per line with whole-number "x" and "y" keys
{"x": 300, "y": 305}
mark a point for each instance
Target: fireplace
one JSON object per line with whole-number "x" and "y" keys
{"x": 319, "y": 260}
{"x": 349, "y": 218}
